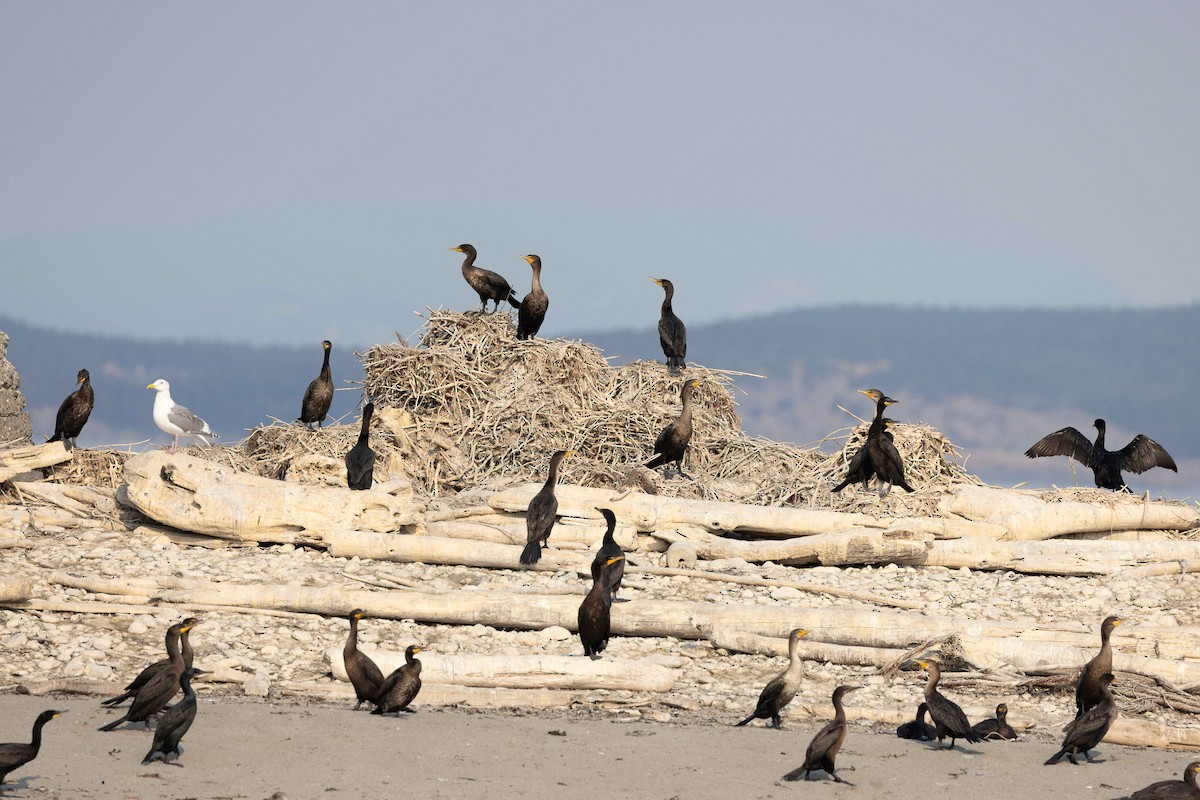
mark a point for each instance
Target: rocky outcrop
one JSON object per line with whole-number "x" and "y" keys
{"x": 14, "y": 422}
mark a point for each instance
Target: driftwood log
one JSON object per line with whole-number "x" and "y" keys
{"x": 203, "y": 497}
{"x": 24, "y": 459}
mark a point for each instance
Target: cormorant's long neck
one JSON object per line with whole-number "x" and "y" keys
{"x": 931, "y": 684}
{"x": 36, "y": 742}
{"x": 839, "y": 713}
{"x": 537, "y": 279}
{"x": 186, "y": 648}
{"x": 364, "y": 435}
{"x": 877, "y": 423}
{"x": 552, "y": 474}
{"x": 352, "y": 639}
{"x": 921, "y": 711}
{"x": 794, "y": 662}
{"x": 325, "y": 365}
{"x": 685, "y": 413}
{"x": 1099, "y": 445}
{"x": 666, "y": 306}
{"x": 468, "y": 263}
{"x": 173, "y": 649}
{"x": 185, "y": 683}
{"x": 85, "y": 389}
{"x": 609, "y": 537}
{"x": 1001, "y": 716}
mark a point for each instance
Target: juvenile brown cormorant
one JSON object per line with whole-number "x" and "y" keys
{"x": 671, "y": 332}
{"x": 781, "y": 689}
{"x": 487, "y": 284}
{"x": 360, "y": 461}
{"x": 539, "y": 518}
{"x": 824, "y": 747}
{"x": 609, "y": 549}
{"x": 878, "y": 456}
{"x": 1086, "y": 731}
{"x": 997, "y": 728}
{"x": 185, "y": 649}
{"x": 16, "y": 754}
{"x": 1088, "y": 691}
{"x": 74, "y": 412}
{"x": 401, "y": 686}
{"x": 319, "y": 394}
{"x": 175, "y": 721}
{"x": 672, "y": 443}
{"x": 918, "y": 728}
{"x": 1139, "y": 455}
{"x": 365, "y": 676}
{"x": 161, "y": 686}
{"x": 1186, "y": 789}
{"x": 948, "y": 718}
{"x": 594, "y": 613}
{"x": 532, "y": 311}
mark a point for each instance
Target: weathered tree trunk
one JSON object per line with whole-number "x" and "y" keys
{"x": 522, "y": 672}
{"x": 203, "y": 497}
{"x": 23, "y": 459}
{"x": 1060, "y": 557}
{"x": 840, "y": 548}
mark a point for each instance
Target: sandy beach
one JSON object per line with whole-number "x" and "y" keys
{"x": 240, "y": 749}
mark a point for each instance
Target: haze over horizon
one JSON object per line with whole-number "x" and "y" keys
{"x": 277, "y": 173}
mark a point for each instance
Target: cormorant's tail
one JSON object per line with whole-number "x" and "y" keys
{"x": 904, "y": 485}
{"x": 841, "y": 486}
{"x": 112, "y": 726}
{"x": 57, "y": 437}
{"x": 746, "y": 721}
{"x": 1056, "y": 756}
{"x": 796, "y": 775}
{"x": 512, "y": 299}
{"x": 657, "y": 461}
{"x": 532, "y": 552}
{"x": 116, "y": 701}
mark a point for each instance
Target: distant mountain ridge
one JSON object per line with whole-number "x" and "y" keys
{"x": 993, "y": 380}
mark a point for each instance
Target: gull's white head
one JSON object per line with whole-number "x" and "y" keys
{"x": 160, "y": 385}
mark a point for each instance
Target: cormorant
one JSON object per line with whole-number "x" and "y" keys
{"x": 609, "y": 549}
{"x": 824, "y": 747}
{"x": 160, "y": 688}
{"x": 532, "y": 311}
{"x": 997, "y": 728}
{"x": 401, "y": 686}
{"x": 365, "y": 676}
{"x": 177, "y": 420}
{"x": 175, "y": 721}
{"x": 878, "y": 455}
{"x": 539, "y": 518}
{"x": 594, "y": 613}
{"x": 671, "y": 332}
{"x": 16, "y": 754}
{"x": 948, "y": 718}
{"x": 672, "y": 443}
{"x": 1088, "y": 691}
{"x": 781, "y": 689}
{"x": 185, "y": 647}
{"x": 487, "y": 284}
{"x": 918, "y": 728}
{"x": 1139, "y": 455}
{"x": 1086, "y": 731}
{"x": 319, "y": 394}
{"x": 1186, "y": 789}
{"x": 74, "y": 412}
{"x": 360, "y": 461}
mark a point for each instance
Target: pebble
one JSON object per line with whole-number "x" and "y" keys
{"x": 556, "y": 633}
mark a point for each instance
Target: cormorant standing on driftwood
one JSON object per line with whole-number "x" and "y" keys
{"x": 539, "y": 518}
{"x": 1139, "y": 455}
{"x": 609, "y": 549}
{"x": 594, "y": 618}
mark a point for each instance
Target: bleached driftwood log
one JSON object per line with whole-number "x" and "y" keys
{"x": 438, "y": 550}
{"x": 23, "y": 459}
{"x": 840, "y": 548}
{"x": 1175, "y": 661}
{"x": 203, "y": 497}
{"x": 510, "y": 529}
{"x": 522, "y": 672}
{"x": 1028, "y": 517}
{"x": 1059, "y": 557}
{"x": 739, "y": 642}
{"x": 15, "y": 590}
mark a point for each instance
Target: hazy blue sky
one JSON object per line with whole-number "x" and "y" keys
{"x": 289, "y": 171}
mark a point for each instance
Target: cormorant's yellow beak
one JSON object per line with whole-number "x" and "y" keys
{"x": 456, "y": 249}
{"x": 528, "y": 259}
{"x": 800, "y": 633}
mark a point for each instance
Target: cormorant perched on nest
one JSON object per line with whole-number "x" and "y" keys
{"x": 824, "y": 747}
{"x": 781, "y": 689}
{"x": 365, "y": 676}
{"x": 319, "y": 394}
{"x": 16, "y": 754}
{"x": 175, "y": 721}
{"x": 1186, "y": 789}
{"x": 918, "y": 728}
{"x": 609, "y": 549}
{"x": 948, "y": 718}
{"x": 74, "y": 412}
{"x": 594, "y": 612}
{"x": 487, "y": 284}
{"x": 672, "y": 442}
{"x": 671, "y": 332}
{"x": 1088, "y": 691}
{"x": 401, "y": 686}
{"x": 878, "y": 455}
{"x": 539, "y": 518}
{"x": 160, "y": 688}
{"x": 185, "y": 650}
{"x": 1086, "y": 731}
{"x": 360, "y": 461}
{"x": 532, "y": 311}
{"x": 1139, "y": 455}
{"x": 997, "y": 728}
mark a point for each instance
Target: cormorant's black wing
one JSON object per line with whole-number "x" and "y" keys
{"x": 1144, "y": 453}
{"x": 1067, "y": 442}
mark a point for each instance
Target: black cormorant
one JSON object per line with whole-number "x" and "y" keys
{"x": 532, "y": 311}
{"x": 671, "y": 332}
{"x": 365, "y": 676}
{"x": 175, "y": 722}
{"x": 672, "y": 442}
{"x": 319, "y": 394}
{"x": 878, "y": 456}
{"x": 160, "y": 688}
{"x": 360, "y": 461}
{"x": 401, "y": 686}
{"x": 609, "y": 549}
{"x": 185, "y": 650}
{"x": 74, "y": 412}
{"x": 539, "y": 518}
{"x": 781, "y": 689}
{"x": 998, "y": 727}
{"x": 948, "y": 718}
{"x": 1186, "y": 789}
{"x": 1086, "y": 731}
{"x": 918, "y": 728}
{"x": 1139, "y": 455}
{"x": 16, "y": 754}
{"x": 487, "y": 284}
{"x": 595, "y": 613}
{"x": 823, "y": 749}
{"x": 1088, "y": 691}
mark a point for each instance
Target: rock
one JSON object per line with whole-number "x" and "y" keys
{"x": 258, "y": 686}
{"x": 786, "y": 593}
{"x": 556, "y": 633}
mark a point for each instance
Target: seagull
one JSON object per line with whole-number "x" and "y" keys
{"x": 177, "y": 420}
